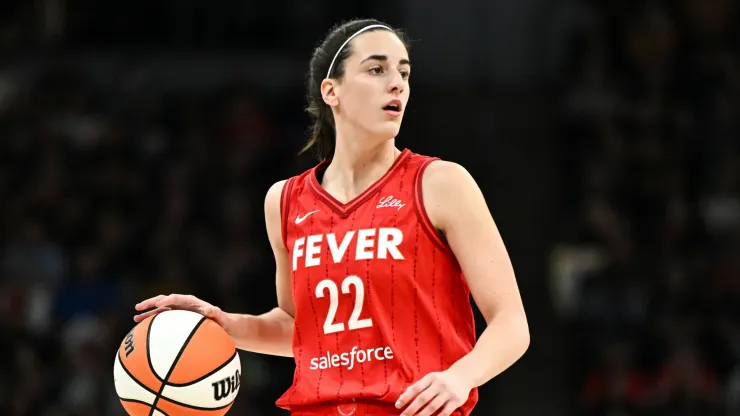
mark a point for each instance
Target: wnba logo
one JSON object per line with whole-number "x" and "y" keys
{"x": 129, "y": 343}
{"x": 226, "y": 386}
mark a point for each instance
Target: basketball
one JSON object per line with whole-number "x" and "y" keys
{"x": 177, "y": 363}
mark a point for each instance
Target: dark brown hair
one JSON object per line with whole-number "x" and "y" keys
{"x": 323, "y": 136}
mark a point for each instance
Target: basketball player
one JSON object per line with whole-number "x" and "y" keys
{"x": 377, "y": 252}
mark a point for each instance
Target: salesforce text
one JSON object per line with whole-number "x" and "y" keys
{"x": 348, "y": 359}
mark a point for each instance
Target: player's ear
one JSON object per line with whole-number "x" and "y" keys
{"x": 329, "y": 92}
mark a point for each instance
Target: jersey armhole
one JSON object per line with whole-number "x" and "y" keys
{"x": 284, "y": 204}
{"x": 421, "y": 212}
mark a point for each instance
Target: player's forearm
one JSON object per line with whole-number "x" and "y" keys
{"x": 502, "y": 343}
{"x": 270, "y": 333}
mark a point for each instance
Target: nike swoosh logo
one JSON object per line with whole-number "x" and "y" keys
{"x": 299, "y": 219}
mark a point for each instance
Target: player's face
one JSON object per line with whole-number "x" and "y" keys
{"x": 375, "y": 89}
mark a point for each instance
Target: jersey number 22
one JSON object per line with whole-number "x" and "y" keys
{"x": 354, "y": 320}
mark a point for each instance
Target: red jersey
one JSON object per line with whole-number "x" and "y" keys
{"x": 380, "y": 300}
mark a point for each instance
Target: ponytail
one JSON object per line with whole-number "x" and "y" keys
{"x": 323, "y": 138}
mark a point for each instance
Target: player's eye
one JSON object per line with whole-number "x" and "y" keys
{"x": 376, "y": 70}
{"x": 405, "y": 74}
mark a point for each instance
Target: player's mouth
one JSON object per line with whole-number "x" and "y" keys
{"x": 393, "y": 108}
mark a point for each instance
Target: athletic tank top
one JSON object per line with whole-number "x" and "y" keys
{"x": 380, "y": 299}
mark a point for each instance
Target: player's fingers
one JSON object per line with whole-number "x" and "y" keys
{"x": 212, "y": 312}
{"x": 172, "y": 301}
{"x": 140, "y": 317}
{"x": 437, "y": 403}
{"x": 421, "y": 400}
{"x": 413, "y": 390}
{"x": 148, "y": 303}
{"x": 448, "y": 408}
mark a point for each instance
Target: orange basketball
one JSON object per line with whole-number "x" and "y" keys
{"x": 177, "y": 363}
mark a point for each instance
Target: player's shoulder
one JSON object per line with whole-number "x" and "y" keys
{"x": 441, "y": 174}
{"x": 275, "y": 192}
{"x": 276, "y": 195}
{"x": 278, "y": 191}
{"x": 282, "y": 185}
{"x": 274, "y": 210}
{"x": 436, "y": 175}
{"x": 444, "y": 185}
{"x": 435, "y": 166}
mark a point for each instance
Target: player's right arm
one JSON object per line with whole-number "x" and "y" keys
{"x": 270, "y": 333}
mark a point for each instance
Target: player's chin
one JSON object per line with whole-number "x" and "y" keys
{"x": 389, "y": 128}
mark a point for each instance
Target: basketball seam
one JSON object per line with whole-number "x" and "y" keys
{"x": 174, "y": 363}
{"x": 148, "y": 353}
{"x": 144, "y": 403}
{"x": 126, "y": 370}
{"x": 201, "y": 378}
{"x": 142, "y": 385}
{"x": 190, "y": 406}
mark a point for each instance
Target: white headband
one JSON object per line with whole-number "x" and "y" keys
{"x": 328, "y": 73}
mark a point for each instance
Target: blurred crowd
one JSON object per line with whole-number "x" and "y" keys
{"x": 646, "y": 271}
{"x": 177, "y": 24}
{"x": 109, "y": 197}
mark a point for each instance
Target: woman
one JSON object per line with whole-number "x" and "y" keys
{"x": 377, "y": 251}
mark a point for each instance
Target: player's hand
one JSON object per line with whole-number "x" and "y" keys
{"x": 444, "y": 392}
{"x": 161, "y": 303}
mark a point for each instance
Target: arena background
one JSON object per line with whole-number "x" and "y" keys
{"x": 137, "y": 140}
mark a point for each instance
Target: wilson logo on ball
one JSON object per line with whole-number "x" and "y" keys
{"x": 129, "y": 343}
{"x": 169, "y": 362}
{"x": 222, "y": 388}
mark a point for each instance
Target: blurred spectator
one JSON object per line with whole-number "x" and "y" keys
{"x": 115, "y": 191}
{"x": 113, "y": 196}
{"x": 650, "y": 123}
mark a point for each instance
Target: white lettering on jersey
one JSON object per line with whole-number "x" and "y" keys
{"x": 365, "y": 243}
{"x": 390, "y": 202}
{"x": 312, "y": 249}
{"x": 371, "y": 243}
{"x": 350, "y": 358}
{"x": 389, "y": 239}
{"x": 338, "y": 252}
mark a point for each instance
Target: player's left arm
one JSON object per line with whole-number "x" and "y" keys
{"x": 456, "y": 206}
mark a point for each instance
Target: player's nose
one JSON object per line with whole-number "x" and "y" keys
{"x": 396, "y": 83}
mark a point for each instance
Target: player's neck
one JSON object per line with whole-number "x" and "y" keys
{"x": 355, "y": 167}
